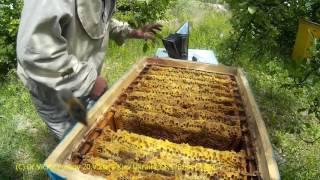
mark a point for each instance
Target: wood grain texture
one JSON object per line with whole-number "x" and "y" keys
{"x": 266, "y": 162}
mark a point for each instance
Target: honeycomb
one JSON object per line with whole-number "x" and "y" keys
{"x": 196, "y": 132}
{"x": 172, "y": 123}
{"x": 120, "y": 155}
{"x": 183, "y": 106}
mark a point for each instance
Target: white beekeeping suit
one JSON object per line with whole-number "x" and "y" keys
{"x": 61, "y": 45}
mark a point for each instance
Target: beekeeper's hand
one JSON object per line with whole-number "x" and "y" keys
{"x": 99, "y": 88}
{"x": 146, "y": 32}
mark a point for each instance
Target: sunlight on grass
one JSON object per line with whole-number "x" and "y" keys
{"x": 24, "y": 137}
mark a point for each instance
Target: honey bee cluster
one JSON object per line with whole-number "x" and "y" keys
{"x": 183, "y": 106}
{"x": 120, "y": 155}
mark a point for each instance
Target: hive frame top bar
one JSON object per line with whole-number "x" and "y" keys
{"x": 220, "y": 69}
{"x": 266, "y": 163}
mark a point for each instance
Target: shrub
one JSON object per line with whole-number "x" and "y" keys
{"x": 270, "y": 24}
{"x": 139, "y": 12}
{"x": 9, "y": 21}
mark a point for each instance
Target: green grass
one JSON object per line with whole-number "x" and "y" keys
{"x": 286, "y": 126}
{"x": 120, "y": 59}
{"x": 25, "y": 138}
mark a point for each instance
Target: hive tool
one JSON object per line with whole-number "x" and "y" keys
{"x": 76, "y": 110}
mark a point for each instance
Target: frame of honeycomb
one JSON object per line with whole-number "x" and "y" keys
{"x": 120, "y": 154}
{"x": 183, "y": 106}
{"x": 173, "y": 123}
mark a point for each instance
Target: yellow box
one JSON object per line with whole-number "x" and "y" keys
{"x": 307, "y": 30}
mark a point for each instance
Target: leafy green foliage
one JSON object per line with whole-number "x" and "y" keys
{"x": 287, "y": 92}
{"x": 9, "y": 21}
{"x": 140, "y": 12}
{"x": 269, "y": 24}
{"x": 315, "y": 107}
{"x": 213, "y": 1}
{"x": 306, "y": 73}
{"x": 313, "y": 9}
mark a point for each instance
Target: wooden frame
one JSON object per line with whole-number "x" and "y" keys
{"x": 266, "y": 163}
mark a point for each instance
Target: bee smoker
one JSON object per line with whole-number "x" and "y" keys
{"x": 177, "y": 44}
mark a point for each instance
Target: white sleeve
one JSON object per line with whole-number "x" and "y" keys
{"x": 119, "y": 31}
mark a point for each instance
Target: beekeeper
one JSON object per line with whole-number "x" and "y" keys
{"x": 61, "y": 45}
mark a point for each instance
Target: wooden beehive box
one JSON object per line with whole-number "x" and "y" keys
{"x": 100, "y": 116}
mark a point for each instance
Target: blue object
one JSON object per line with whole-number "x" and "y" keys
{"x": 54, "y": 176}
{"x": 199, "y": 55}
